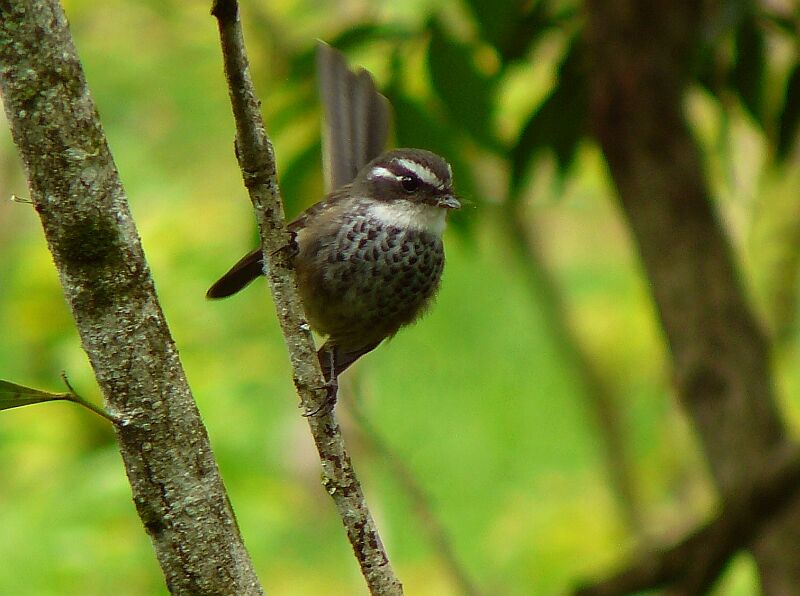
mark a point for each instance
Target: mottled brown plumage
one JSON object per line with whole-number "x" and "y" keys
{"x": 368, "y": 256}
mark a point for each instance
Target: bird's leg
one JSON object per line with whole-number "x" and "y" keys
{"x": 334, "y": 361}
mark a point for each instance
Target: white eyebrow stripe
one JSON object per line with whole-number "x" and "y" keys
{"x": 381, "y": 172}
{"x": 421, "y": 172}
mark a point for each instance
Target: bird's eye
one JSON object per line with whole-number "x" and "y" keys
{"x": 409, "y": 183}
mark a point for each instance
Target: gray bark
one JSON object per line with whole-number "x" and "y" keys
{"x": 257, "y": 162}
{"x": 77, "y": 193}
{"x": 691, "y": 566}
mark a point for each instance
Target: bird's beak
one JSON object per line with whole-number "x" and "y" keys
{"x": 449, "y": 202}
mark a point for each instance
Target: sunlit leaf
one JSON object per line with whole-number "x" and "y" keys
{"x": 559, "y": 123}
{"x": 465, "y": 91}
{"x": 790, "y": 115}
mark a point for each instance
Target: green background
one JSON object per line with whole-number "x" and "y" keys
{"x": 481, "y": 401}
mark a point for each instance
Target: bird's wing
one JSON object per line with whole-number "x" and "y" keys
{"x": 330, "y": 200}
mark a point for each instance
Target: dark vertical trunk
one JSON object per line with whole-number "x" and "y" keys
{"x": 642, "y": 54}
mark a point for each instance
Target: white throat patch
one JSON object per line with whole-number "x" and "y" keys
{"x": 410, "y": 216}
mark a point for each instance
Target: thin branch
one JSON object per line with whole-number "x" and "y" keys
{"x": 74, "y": 397}
{"x": 692, "y": 565}
{"x": 77, "y": 193}
{"x": 257, "y": 162}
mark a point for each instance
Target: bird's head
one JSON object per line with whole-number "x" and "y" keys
{"x": 409, "y": 175}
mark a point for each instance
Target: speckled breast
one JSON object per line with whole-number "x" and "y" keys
{"x": 375, "y": 279}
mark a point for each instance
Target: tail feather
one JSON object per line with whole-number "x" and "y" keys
{"x": 249, "y": 267}
{"x": 357, "y": 118}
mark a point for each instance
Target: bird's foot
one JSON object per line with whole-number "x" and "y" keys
{"x": 286, "y": 253}
{"x": 328, "y": 402}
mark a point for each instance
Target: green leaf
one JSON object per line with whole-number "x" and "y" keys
{"x": 790, "y": 115}
{"x": 747, "y": 75}
{"x": 14, "y": 396}
{"x": 558, "y": 124}
{"x": 513, "y": 26}
{"x": 496, "y": 19}
{"x": 706, "y": 74}
{"x": 465, "y": 91}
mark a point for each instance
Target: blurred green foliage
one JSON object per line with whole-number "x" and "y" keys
{"x": 479, "y": 399}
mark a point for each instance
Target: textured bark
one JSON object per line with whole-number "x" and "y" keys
{"x": 257, "y": 162}
{"x": 76, "y": 190}
{"x": 642, "y": 53}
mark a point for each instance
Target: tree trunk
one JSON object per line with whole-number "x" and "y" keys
{"x": 76, "y": 190}
{"x": 642, "y": 53}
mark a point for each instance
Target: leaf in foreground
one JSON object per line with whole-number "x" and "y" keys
{"x": 13, "y": 395}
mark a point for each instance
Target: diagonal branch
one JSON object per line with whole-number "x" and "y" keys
{"x": 257, "y": 162}
{"x": 692, "y": 565}
{"x": 77, "y": 193}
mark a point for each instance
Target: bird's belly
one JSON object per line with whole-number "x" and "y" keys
{"x": 365, "y": 282}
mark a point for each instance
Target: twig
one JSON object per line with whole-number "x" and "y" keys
{"x": 692, "y": 565}
{"x": 74, "y": 397}
{"x": 257, "y": 162}
{"x": 77, "y": 193}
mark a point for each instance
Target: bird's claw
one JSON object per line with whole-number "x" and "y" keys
{"x": 288, "y": 252}
{"x": 328, "y": 402}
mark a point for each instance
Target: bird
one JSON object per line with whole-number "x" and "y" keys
{"x": 368, "y": 256}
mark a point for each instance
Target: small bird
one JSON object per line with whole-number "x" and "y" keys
{"x": 368, "y": 256}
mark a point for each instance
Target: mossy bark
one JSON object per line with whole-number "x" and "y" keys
{"x": 77, "y": 193}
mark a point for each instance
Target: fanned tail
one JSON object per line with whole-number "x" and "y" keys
{"x": 357, "y": 118}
